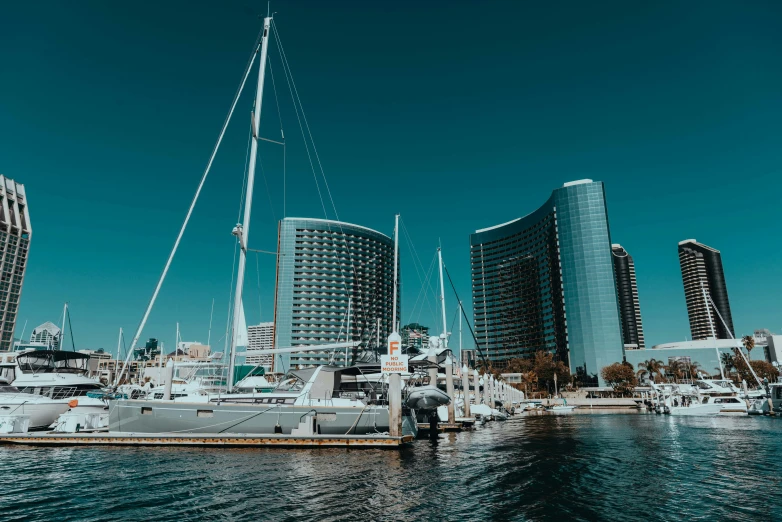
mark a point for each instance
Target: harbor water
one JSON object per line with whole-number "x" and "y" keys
{"x": 546, "y": 467}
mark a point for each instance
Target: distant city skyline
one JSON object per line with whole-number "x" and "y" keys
{"x": 682, "y": 130}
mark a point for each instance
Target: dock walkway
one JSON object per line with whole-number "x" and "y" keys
{"x": 206, "y": 439}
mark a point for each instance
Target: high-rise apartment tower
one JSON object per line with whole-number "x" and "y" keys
{"x": 260, "y": 337}
{"x": 627, "y": 291}
{"x": 334, "y": 282}
{"x": 15, "y": 234}
{"x": 705, "y": 290}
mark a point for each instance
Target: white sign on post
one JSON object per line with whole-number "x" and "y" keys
{"x": 394, "y": 361}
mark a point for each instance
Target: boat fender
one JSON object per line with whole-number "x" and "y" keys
{"x": 73, "y": 403}
{"x": 278, "y": 429}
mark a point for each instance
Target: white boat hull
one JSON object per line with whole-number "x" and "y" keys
{"x": 706, "y": 410}
{"x": 42, "y": 415}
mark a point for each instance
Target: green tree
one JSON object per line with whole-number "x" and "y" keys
{"x": 728, "y": 363}
{"x": 765, "y": 370}
{"x": 675, "y": 369}
{"x": 529, "y": 378}
{"x": 545, "y": 366}
{"x": 620, "y": 376}
{"x": 694, "y": 368}
{"x": 651, "y": 368}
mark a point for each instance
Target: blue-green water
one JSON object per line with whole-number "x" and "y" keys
{"x": 575, "y": 467}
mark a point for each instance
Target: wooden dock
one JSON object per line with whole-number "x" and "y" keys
{"x": 441, "y": 427}
{"x": 205, "y": 440}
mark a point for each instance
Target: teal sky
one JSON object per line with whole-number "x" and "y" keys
{"x": 457, "y": 115}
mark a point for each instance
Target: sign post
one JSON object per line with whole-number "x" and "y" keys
{"x": 393, "y": 364}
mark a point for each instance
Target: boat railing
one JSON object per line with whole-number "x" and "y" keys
{"x": 63, "y": 392}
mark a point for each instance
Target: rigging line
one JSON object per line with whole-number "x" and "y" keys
{"x": 282, "y": 135}
{"x": 73, "y": 344}
{"x": 428, "y": 278}
{"x": 244, "y": 178}
{"x": 466, "y": 320}
{"x": 258, "y": 274}
{"x": 230, "y": 301}
{"x": 421, "y": 292}
{"x": 292, "y": 87}
{"x": 195, "y": 200}
{"x": 424, "y": 286}
{"x": 268, "y": 194}
{"x": 453, "y": 322}
{"x": 298, "y": 118}
{"x": 317, "y": 156}
{"x": 415, "y": 253}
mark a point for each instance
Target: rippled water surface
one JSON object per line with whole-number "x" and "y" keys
{"x": 576, "y": 467}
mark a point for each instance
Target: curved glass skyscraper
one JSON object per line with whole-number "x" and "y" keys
{"x": 329, "y": 274}
{"x": 546, "y": 282}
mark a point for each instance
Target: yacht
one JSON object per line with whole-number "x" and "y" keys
{"x": 326, "y": 400}
{"x": 707, "y": 397}
{"x": 62, "y": 377}
{"x": 41, "y": 411}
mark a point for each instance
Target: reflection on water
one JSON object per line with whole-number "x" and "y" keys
{"x": 567, "y": 467}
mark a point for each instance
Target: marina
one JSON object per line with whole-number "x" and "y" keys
{"x": 429, "y": 315}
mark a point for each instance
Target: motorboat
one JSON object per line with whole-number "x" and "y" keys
{"x": 561, "y": 408}
{"x": 706, "y": 397}
{"x": 63, "y": 377}
{"x": 710, "y": 405}
{"x": 324, "y": 400}
{"x": 42, "y": 411}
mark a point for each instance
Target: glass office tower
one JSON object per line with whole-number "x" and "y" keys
{"x": 546, "y": 282}
{"x": 331, "y": 276}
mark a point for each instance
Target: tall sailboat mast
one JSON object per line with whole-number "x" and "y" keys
{"x": 442, "y": 298}
{"x": 242, "y": 230}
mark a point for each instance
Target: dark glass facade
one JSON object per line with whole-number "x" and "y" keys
{"x": 546, "y": 282}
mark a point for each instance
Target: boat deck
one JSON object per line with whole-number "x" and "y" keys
{"x": 207, "y": 440}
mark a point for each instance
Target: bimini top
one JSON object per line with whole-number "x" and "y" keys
{"x": 52, "y": 361}
{"x": 337, "y": 224}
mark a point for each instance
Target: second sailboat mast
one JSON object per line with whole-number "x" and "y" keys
{"x": 243, "y": 230}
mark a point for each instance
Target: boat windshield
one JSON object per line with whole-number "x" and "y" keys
{"x": 9, "y": 389}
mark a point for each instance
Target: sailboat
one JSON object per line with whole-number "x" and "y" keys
{"x": 322, "y": 400}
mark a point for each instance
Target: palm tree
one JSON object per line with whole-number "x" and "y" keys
{"x": 676, "y": 369}
{"x": 650, "y": 368}
{"x": 727, "y": 362}
{"x": 694, "y": 368}
{"x": 749, "y": 343}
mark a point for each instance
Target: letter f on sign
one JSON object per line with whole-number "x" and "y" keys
{"x": 393, "y": 348}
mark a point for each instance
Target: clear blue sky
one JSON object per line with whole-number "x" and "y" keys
{"x": 457, "y": 115}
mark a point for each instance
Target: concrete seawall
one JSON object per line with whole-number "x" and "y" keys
{"x": 595, "y": 404}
